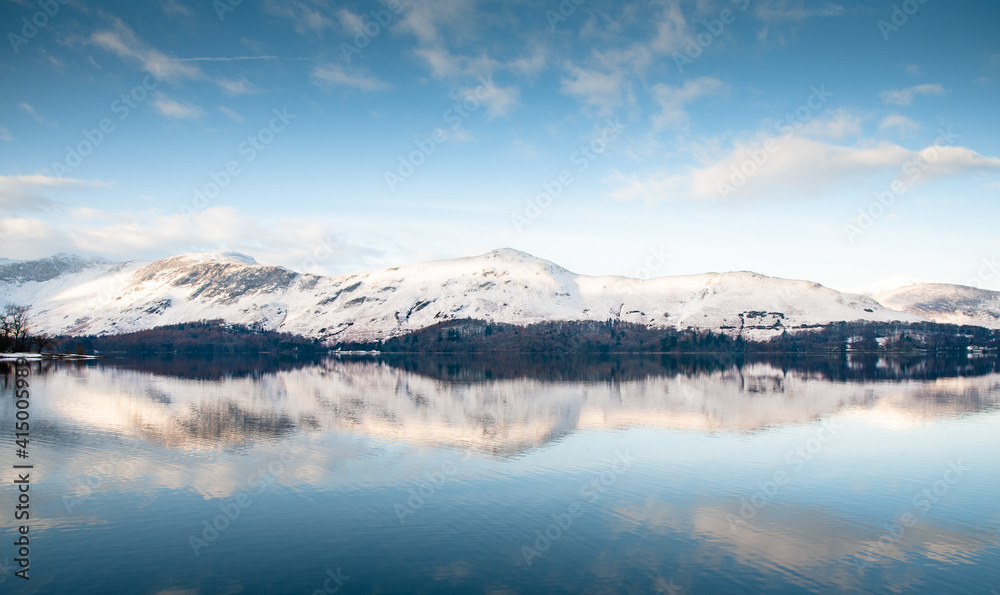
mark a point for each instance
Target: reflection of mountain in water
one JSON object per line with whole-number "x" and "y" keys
{"x": 494, "y": 409}
{"x": 568, "y": 367}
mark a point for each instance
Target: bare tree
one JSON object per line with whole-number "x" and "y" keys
{"x": 14, "y": 324}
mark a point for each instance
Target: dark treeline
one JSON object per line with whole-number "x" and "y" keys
{"x": 577, "y": 337}
{"x": 476, "y": 336}
{"x": 203, "y": 337}
{"x": 884, "y": 336}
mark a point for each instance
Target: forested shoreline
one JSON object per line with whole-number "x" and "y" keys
{"x": 477, "y": 336}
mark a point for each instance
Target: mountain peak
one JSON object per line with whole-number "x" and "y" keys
{"x": 221, "y": 257}
{"x": 510, "y": 254}
{"x": 518, "y": 257}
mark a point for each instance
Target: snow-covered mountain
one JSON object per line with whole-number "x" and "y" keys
{"x": 45, "y": 269}
{"x": 947, "y": 304}
{"x": 71, "y": 295}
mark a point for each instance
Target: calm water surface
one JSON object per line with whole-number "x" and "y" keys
{"x": 508, "y": 476}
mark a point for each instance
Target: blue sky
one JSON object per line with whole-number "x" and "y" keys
{"x": 841, "y": 142}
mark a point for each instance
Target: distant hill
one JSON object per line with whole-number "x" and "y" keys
{"x": 949, "y": 304}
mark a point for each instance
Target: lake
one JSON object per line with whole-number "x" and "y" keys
{"x": 508, "y": 475}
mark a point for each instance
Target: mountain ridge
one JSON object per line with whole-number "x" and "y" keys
{"x": 75, "y": 295}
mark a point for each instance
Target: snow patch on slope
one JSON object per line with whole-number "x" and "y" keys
{"x": 947, "y": 304}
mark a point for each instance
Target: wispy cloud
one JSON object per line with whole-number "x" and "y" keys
{"x": 524, "y": 150}
{"x": 152, "y": 234}
{"x": 443, "y": 64}
{"x": 836, "y": 124}
{"x": 240, "y": 86}
{"x": 900, "y": 124}
{"x": 431, "y": 21}
{"x": 800, "y": 167}
{"x": 235, "y": 58}
{"x": 672, "y": 100}
{"x": 305, "y": 18}
{"x": 121, "y": 40}
{"x": 604, "y": 79}
{"x": 334, "y": 75}
{"x": 351, "y": 23}
{"x": 5, "y": 134}
{"x": 231, "y": 114}
{"x": 175, "y": 8}
{"x": 906, "y": 96}
{"x": 25, "y": 193}
{"x": 534, "y": 62}
{"x": 499, "y": 101}
{"x": 175, "y": 109}
{"x": 441, "y": 26}
{"x": 31, "y": 111}
{"x": 604, "y": 90}
{"x": 796, "y": 10}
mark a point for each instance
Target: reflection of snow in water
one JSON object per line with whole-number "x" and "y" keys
{"x": 502, "y": 417}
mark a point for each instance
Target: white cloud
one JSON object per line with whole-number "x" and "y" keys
{"x": 334, "y": 75}
{"x": 31, "y": 111}
{"x": 121, "y": 40}
{"x": 530, "y": 65}
{"x": 235, "y": 58}
{"x": 457, "y": 135}
{"x": 231, "y": 114}
{"x": 835, "y": 124}
{"x": 151, "y": 234}
{"x": 350, "y": 22}
{"x": 602, "y": 90}
{"x": 499, "y": 101}
{"x": 524, "y": 150}
{"x": 802, "y": 168}
{"x": 175, "y": 8}
{"x": 441, "y": 62}
{"x": 5, "y": 134}
{"x": 48, "y": 181}
{"x": 947, "y": 161}
{"x": 444, "y": 64}
{"x": 604, "y": 80}
{"x": 672, "y": 33}
{"x": 658, "y": 186}
{"x": 305, "y": 18}
{"x": 428, "y": 21}
{"x": 901, "y": 124}
{"x": 25, "y": 193}
{"x": 176, "y": 109}
{"x": 672, "y": 100}
{"x": 795, "y": 10}
{"x": 240, "y": 86}
{"x": 906, "y": 96}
